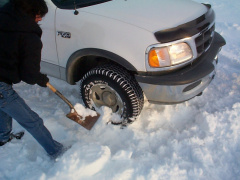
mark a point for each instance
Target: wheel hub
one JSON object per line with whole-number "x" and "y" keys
{"x": 104, "y": 95}
{"x": 109, "y": 98}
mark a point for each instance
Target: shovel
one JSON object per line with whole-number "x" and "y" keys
{"x": 87, "y": 123}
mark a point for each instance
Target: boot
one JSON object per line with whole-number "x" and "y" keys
{"x": 4, "y": 142}
{"x": 18, "y": 135}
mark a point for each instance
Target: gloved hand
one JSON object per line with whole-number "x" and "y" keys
{"x": 43, "y": 80}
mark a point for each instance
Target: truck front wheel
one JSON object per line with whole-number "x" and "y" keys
{"x": 112, "y": 86}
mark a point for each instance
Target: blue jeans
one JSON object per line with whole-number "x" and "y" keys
{"x": 13, "y": 106}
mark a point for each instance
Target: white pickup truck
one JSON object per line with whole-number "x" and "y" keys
{"x": 124, "y": 50}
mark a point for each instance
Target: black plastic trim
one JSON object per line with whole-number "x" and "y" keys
{"x": 188, "y": 29}
{"x": 68, "y": 5}
{"x": 191, "y": 73}
{"x": 76, "y": 57}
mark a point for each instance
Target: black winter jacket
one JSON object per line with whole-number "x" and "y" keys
{"x": 20, "y": 48}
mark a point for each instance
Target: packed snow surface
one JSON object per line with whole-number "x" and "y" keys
{"x": 198, "y": 139}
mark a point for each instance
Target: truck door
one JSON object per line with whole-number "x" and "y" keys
{"x": 49, "y": 64}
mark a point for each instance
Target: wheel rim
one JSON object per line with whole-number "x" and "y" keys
{"x": 104, "y": 95}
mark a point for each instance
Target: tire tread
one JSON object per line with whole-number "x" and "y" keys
{"x": 125, "y": 80}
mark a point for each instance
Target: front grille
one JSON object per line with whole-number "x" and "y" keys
{"x": 204, "y": 40}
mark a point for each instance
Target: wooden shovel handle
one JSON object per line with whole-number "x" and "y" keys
{"x": 51, "y": 87}
{"x": 60, "y": 95}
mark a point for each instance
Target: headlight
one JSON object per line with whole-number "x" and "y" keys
{"x": 169, "y": 55}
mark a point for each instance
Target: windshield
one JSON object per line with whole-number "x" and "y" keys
{"x": 70, "y": 4}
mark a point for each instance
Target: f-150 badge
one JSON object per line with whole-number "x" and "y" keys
{"x": 64, "y": 34}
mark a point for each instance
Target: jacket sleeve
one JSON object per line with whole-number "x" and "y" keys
{"x": 30, "y": 57}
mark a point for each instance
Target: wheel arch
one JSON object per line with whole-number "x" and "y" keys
{"x": 83, "y": 60}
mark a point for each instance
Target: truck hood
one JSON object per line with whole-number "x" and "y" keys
{"x": 151, "y": 15}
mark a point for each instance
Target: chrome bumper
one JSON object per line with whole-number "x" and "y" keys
{"x": 165, "y": 94}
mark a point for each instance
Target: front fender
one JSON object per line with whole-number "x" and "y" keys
{"x": 78, "y": 60}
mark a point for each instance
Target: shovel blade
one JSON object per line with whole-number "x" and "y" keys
{"x": 87, "y": 123}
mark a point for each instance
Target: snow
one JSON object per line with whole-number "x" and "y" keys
{"x": 198, "y": 139}
{"x": 80, "y": 109}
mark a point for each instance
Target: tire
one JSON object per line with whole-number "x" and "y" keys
{"x": 112, "y": 86}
